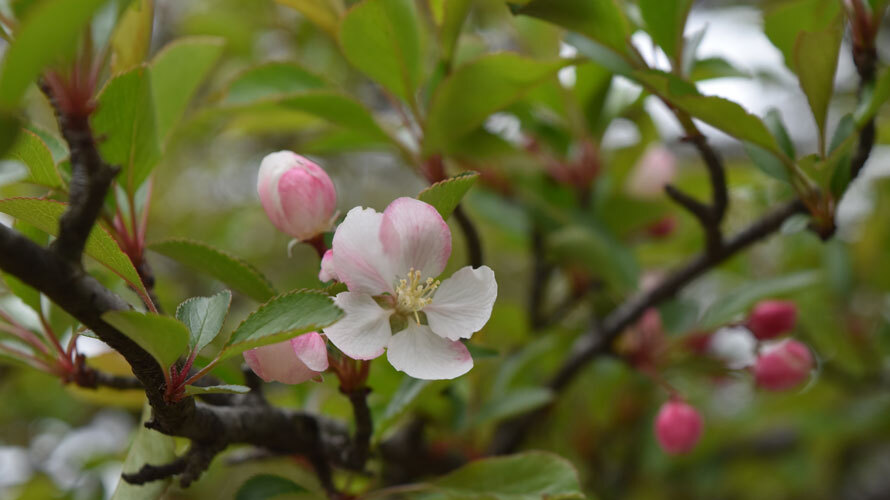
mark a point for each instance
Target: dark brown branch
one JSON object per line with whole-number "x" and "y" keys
{"x": 471, "y": 235}
{"x": 364, "y": 428}
{"x": 541, "y": 271}
{"x": 598, "y": 341}
{"x": 716, "y": 172}
{"x": 89, "y": 378}
{"x": 91, "y": 178}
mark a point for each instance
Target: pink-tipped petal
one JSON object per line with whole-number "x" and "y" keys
{"x": 279, "y": 363}
{"x": 364, "y": 331}
{"x": 311, "y": 350}
{"x": 422, "y": 354}
{"x": 358, "y": 253}
{"x": 463, "y": 303}
{"x": 414, "y": 235}
{"x": 328, "y": 271}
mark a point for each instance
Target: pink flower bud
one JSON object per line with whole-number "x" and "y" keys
{"x": 783, "y": 366}
{"x": 292, "y": 361}
{"x": 678, "y": 427}
{"x": 652, "y": 173}
{"x": 298, "y": 195}
{"x": 771, "y": 318}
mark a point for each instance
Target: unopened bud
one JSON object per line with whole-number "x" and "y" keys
{"x": 783, "y": 366}
{"x": 290, "y": 362}
{"x": 656, "y": 169}
{"x": 678, "y": 427}
{"x": 771, "y": 318}
{"x": 297, "y": 194}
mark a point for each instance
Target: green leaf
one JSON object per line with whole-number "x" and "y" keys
{"x": 194, "y": 390}
{"x": 177, "y": 72}
{"x": 325, "y": 14}
{"x": 512, "y": 403}
{"x": 407, "y": 392}
{"x": 382, "y": 39}
{"x": 337, "y": 108}
{"x": 523, "y": 476}
{"x": 720, "y": 113}
{"x": 773, "y": 121}
{"x": 283, "y": 318}
{"x": 815, "y": 60}
{"x": 34, "y": 154}
{"x": 28, "y": 295}
{"x": 49, "y": 32}
{"x": 446, "y": 195}
{"x": 227, "y": 268}
{"x": 270, "y": 80}
{"x": 149, "y": 447}
{"x": 267, "y": 487}
{"x": 204, "y": 317}
{"x": 665, "y": 20}
{"x": 711, "y": 68}
{"x": 132, "y": 36}
{"x": 786, "y": 20}
{"x": 45, "y": 214}
{"x": 476, "y": 90}
{"x": 125, "y": 119}
{"x": 874, "y": 95}
{"x": 165, "y": 338}
{"x": 840, "y": 155}
{"x": 740, "y": 299}
{"x": 601, "y": 20}
{"x": 598, "y": 251}
{"x": 767, "y": 162}
{"x": 453, "y": 15}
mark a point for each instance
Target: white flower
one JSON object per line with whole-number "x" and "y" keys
{"x": 735, "y": 346}
{"x": 389, "y": 262}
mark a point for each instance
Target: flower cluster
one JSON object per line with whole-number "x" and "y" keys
{"x": 390, "y": 263}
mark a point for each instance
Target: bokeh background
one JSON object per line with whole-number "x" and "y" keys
{"x": 827, "y": 440}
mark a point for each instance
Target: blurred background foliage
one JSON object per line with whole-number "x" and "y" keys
{"x": 830, "y": 439}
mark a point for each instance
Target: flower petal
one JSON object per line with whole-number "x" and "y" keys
{"x": 279, "y": 363}
{"x": 420, "y": 353}
{"x": 364, "y": 330}
{"x": 358, "y": 253}
{"x": 311, "y": 350}
{"x": 328, "y": 272}
{"x": 414, "y": 235}
{"x": 462, "y": 304}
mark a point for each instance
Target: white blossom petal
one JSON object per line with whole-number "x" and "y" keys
{"x": 462, "y": 304}
{"x": 328, "y": 272}
{"x": 358, "y": 253}
{"x": 422, "y": 354}
{"x": 414, "y": 235}
{"x": 364, "y": 330}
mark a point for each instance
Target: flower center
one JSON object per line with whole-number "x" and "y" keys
{"x": 413, "y": 294}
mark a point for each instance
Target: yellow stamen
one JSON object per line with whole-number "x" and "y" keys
{"x": 413, "y": 294}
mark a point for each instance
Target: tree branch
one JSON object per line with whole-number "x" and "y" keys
{"x": 598, "y": 341}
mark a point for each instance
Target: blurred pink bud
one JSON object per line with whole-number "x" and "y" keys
{"x": 656, "y": 169}
{"x": 771, "y": 318}
{"x": 678, "y": 427}
{"x": 327, "y": 272}
{"x": 292, "y": 361}
{"x": 298, "y": 195}
{"x": 663, "y": 227}
{"x": 783, "y": 366}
